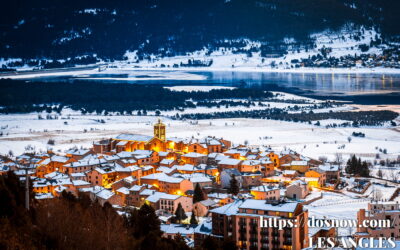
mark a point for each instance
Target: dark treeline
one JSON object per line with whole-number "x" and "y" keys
{"x": 376, "y": 99}
{"x": 360, "y": 118}
{"x": 229, "y": 103}
{"x": 175, "y": 26}
{"x": 70, "y": 222}
{"x": 70, "y": 62}
{"x": 225, "y": 103}
{"x": 357, "y": 167}
{"x": 22, "y": 97}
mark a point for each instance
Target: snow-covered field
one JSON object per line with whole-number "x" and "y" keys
{"x": 73, "y": 129}
{"x": 20, "y": 132}
{"x": 338, "y": 207}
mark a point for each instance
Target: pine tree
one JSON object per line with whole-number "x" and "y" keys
{"x": 359, "y": 169}
{"x": 351, "y": 167}
{"x": 210, "y": 243}
{"x": 364, "y": 169}
{"x": 356, "y": 167}
{"x": 348, "y": 166}
{"x": 233, "y": 186}
{"x": 198, "y": 194}
{"x": 180, "y": 242}
{"x": 180, "y": 213}
{"x": 193, "y": 220}
{"x": 143, "y": 221}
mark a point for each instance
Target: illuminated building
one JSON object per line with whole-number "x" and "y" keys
{"x": 319, "y": 174}
{"x": 264, "y": 192}
{"x": 159, "y": 130}
{"x": 241, "y": 221}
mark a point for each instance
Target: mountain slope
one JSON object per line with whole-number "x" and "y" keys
{"x": 71, "y": 28}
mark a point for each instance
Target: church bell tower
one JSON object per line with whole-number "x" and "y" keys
{"x": 159, "y": 130}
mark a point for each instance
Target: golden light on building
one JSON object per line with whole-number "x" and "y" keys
{"x": 108, "y": 185}
{"x": 313, "y": 183}
{"x": 159, "y": 130}
{"x": 171, "y": 144}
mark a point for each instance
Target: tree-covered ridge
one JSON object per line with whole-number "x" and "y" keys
{"x": 22, "y": 97}
{"x": 109, "y": 28}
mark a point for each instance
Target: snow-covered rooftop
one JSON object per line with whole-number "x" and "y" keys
{"x": 133, "y": 137}
{"x": 178, "y": 228}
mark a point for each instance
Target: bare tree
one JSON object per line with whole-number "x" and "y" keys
{"x": 379, "y": 173}
{"x": 339, "y": 159}
{"x": 393, "y": 175}
{"x": 323, "y": 159}
{"x": 376, "y": 195}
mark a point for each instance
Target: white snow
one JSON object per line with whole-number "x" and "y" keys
{"x": 132, "y": 74}
{"x": 337, "y": 206}
{"x": 20, "y": 130}
{"x": 342, "y": 43}
{"x": 197, "y": 88}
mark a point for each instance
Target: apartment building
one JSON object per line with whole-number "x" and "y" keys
{"x": 381, "y": 212}
{"x": 241, "y": 221}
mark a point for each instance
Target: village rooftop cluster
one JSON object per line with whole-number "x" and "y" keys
{"x": 236, "y": 184}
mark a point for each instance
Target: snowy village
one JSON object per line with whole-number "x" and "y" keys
{"x": 200, "y": 125}
{"x": 202, "y": 188}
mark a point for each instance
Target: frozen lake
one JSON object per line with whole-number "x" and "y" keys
{"x": 332, "y": 84}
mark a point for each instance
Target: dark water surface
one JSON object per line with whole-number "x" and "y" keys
{"x": 360, "y": 88}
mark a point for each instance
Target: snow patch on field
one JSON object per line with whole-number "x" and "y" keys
{"x": 81, "y": 130}
{"x": 339, "y": 207}
{"x": 130, "y": 74}
{"x": 197, "y": 88}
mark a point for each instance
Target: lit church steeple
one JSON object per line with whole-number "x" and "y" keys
{"x": 159, "y": 130}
